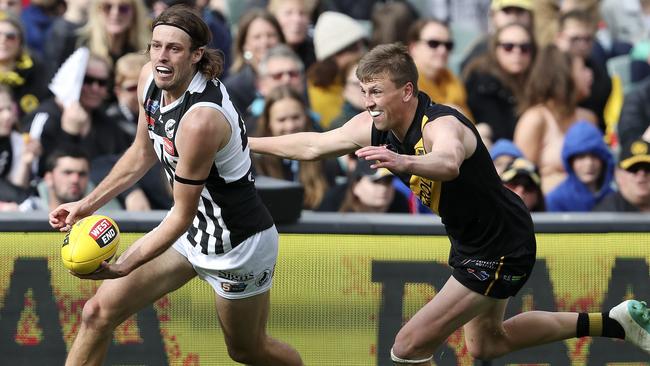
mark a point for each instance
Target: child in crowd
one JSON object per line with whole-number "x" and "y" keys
{"x": 590, "y": 168}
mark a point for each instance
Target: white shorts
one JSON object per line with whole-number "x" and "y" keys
{"x": 245, "y": 271}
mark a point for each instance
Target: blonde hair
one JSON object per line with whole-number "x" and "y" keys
{"x": 275, "y": 4}
{"x": 128, "y": 66}
{"x": 93, "y": 33}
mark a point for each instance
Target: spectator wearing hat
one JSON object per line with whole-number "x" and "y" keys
{"x": 504, "y": 152}
{"x": 338, "y": 39}
{"x": 521, "y": 176}
{"x": 632, "y": 180}
{"x": 367, "y": 190}
{"x": 502, "y": 12}
{"x": 590, "y": 171}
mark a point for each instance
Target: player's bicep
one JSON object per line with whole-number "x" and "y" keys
{"x": 200, "y": 135}
{"x": 448, "y": 136}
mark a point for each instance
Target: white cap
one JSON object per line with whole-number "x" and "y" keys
{"x": 334, "y": 32}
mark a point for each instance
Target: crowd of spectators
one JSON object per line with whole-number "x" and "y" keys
{"x": 568, "y": 128}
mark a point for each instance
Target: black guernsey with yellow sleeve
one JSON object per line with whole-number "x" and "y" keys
{"x": 485, "y": 221}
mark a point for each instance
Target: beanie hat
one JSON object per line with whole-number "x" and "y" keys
{"x": 334, "y": 32}
{"x": 505, "y": 147}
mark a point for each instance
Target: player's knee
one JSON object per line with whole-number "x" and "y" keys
{"x": 482, "y": 350}
{"x": 98, "y": 315}
{"x": 93, "y": 314}
{"x": 242, "y": 354}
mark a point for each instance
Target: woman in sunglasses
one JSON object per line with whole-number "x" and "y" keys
{"x": 114, "y": 28}
{"x": 19, "y": 71}
{"x": 430, "y": 43}
{"x": 558, "y": 81}
{"x": 494, "y": 81}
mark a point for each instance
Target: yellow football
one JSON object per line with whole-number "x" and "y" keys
{"x": 91, "y": 241}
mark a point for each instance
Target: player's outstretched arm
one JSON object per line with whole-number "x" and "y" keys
{"x": 447, "y": 143}
{"x": 201, "y": 134}
{"x": 315, "y": 145}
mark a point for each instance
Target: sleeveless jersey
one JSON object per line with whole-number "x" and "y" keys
{"x": 483, "y": 219}
{"x": 229, "y": 209}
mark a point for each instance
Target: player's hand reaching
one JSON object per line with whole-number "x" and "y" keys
{"x": 383, "y": 157}
{"x": 64, "y": 216}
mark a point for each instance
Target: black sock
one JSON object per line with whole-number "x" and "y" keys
{"x": 598, "y": 325}
{"x": 611, "y": 328}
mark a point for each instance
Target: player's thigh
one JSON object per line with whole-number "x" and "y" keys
{"x": 452, "y": 307}
{"x": 147, "y": 283}
{"x": 243, "y": 321}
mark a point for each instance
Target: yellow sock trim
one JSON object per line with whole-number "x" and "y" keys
{"x": 595, "y": 324}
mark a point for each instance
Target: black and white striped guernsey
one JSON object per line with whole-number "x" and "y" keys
{"x": 229, "y": 209}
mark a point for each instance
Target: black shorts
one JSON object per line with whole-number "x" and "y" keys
{"x": 500, "y": 278}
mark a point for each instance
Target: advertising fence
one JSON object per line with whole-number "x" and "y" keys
{"x": 338, "y": 298}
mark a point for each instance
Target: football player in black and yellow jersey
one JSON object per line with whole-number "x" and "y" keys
{"x": 438, "y": 153}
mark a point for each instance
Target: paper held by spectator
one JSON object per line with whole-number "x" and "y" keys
{"x": 66, "y": 83}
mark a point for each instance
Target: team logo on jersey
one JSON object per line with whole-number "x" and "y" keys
{"x": 151, "y": 106}
{"x": 264, "y": 277}
{"x": 168, "y": 145}
{"x": 169, "y": 127}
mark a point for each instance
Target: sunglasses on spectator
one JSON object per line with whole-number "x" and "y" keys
{"x": 10, "y": 36}
{"x": 434, "y": 43}
{"x": 280, "y": 74}
{"x": 89, "y": 80}
{"x": 121, "y": 8}
{"x": 645, "y": 167}
{"x": 510, "y": 46}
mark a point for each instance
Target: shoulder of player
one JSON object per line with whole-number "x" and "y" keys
{"x": 203, "y": 121}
